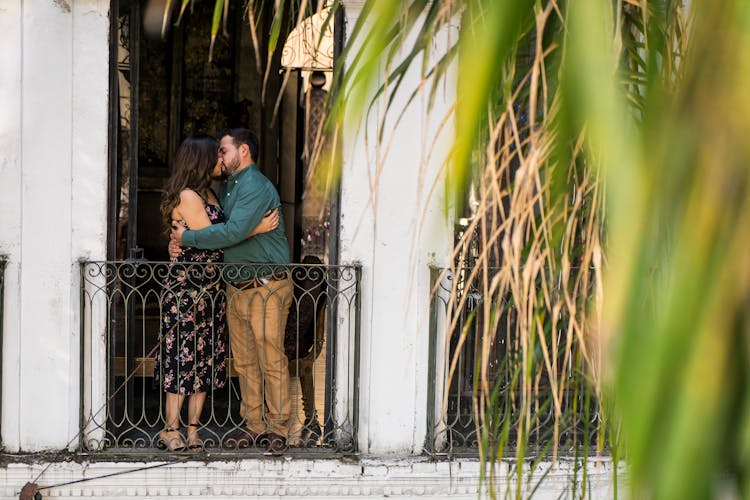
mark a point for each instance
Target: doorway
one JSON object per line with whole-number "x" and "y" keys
{"x": 163, "y": 88}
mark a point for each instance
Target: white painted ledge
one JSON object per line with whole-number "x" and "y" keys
{"x": 416, "y": 477}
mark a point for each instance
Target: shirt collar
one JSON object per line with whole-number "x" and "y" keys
{"x": 236, "y": 175}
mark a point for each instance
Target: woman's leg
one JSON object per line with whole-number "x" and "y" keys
{"x": 195, "y": 408}
{"x": 171, "y": 436}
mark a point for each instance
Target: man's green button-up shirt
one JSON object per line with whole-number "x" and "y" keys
{"x": 246, "y": 197}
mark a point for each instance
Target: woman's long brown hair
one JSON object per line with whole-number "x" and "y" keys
{"x": 194, "y": 161}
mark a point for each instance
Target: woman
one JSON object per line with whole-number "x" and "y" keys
{"x": 192, "y": 357}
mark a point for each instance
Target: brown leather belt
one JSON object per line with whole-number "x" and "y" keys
{"x": 259, "y": 281}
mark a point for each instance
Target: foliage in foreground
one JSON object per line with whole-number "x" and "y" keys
{"x": 604, "y": 141}
{"x": 604, "y": 144}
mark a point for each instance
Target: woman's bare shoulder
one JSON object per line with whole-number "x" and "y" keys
{"x": 190, "y": 197}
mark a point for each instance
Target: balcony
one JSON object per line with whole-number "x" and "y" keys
{"x": 124, "y": 306}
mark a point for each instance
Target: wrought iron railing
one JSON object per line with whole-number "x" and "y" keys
{"x": 459, "y": 419}
{"x": 151, "y": 328}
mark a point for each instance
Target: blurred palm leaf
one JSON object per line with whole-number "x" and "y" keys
{"x": 215, "y": 24}
{"x": 617, "y": 82}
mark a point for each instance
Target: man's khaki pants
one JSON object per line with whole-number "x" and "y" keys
{"x": 257, "y": 320}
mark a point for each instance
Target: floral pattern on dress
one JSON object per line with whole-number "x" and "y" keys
{"x": 192, "y": 357}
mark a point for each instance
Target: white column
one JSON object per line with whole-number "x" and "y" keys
{"x": 90, "y": 126}
{"x": 10, "y": 213}
{"x": 434, "y": 217}
{"x": 47, "y": 382}
{"x": 394, "y": 222}
{"x": 89, "y": 184}
{"x": 53, "y": 138}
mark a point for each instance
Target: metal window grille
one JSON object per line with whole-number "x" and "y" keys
{"x": 454, "y": 425}
{"x": 138, "y": 314}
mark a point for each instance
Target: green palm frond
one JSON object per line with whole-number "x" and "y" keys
{"x": 215, "y": 24}
{"x": 183, "y": 8}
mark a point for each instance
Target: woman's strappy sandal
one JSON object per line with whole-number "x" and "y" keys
{"x": 194, "y": 442}
{"x": 170, "y": 444}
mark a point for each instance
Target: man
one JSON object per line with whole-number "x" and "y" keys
{"x": 258, "y": 297}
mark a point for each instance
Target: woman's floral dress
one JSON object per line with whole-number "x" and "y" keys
{"x": 192, "y": 355}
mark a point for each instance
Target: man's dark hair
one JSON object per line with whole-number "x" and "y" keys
{"x": 242, "y": 136}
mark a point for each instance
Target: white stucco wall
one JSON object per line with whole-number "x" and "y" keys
{"x": 395, "y": 224}
{"x": 53, "y": 174}
{"x": 53, "y": 199}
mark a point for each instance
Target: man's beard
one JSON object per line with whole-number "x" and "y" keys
{"x": 228, "y": 169}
